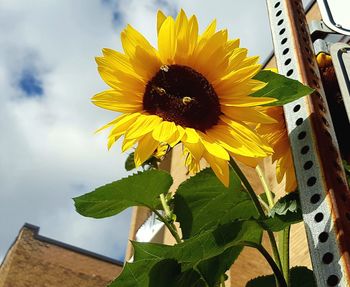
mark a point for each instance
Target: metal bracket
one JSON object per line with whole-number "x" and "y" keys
{"x": 321, "y": 46}
{"x": 318, "y": 30}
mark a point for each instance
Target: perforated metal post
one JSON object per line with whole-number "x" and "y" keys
{"x": 321, "y": 179}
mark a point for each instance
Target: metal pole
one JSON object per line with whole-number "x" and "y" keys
{"x": 321, "y": 178}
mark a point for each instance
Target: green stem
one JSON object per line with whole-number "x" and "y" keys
{"x": 284, "y": 251}
{"x": 167, "y": 218}
{"x": 276, "y": 270}
{"x": 165, "y": 205}
{"x": 248, "y": 187}
{"x": 257, "y": 205}
{"x": 222, "y": 281}
{"x": 264, "y": 204}
{"x": 265, "y": 186}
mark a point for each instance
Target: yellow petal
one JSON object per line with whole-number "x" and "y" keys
{"x": 120, "y": 125}
{"x": 196, "y": 149}
{"x": 249, "y": 161}
{"x": 209, "y": 31}
{"x": 248, "y": 62}
{"x": 146, "y": 64}
{"x": 143, "y": 125}
{"x": 128, "y": 143}
{"x": 247, "y": 114}
{"x": 147, "y": 145}
{"x": 191, "y": 135}
{"x": 160, "y": 20}
{"x": 237, "y": 76}
{"x": 249, "y": 138}
{"x": 120, "y": 80}
{"x": 167, "y": 41}
{"x": 116, "y": 101}
{"x": 192, "y": 34}
{"x": 213, "y": 147}
{"x": 241, "y": 89}
{"x": 177, "y": 136}
{"x": 220, "y": 168}
{"x": 232, "y": 44}
{"x": 131, "y": 39}
{"x": 237, "y": 57}
{"x": 223, "y": 135}
{"x": 201, "y": 54}
{"x": 121, "y": 121}
{"x": 115, "y": 61}
{"x": 247, "y": 101}
{"x": 191, "y": 163}
{"x": 163, "y": 131}
{"x": 182, "y": 44}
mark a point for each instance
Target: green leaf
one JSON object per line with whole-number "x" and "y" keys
{"x": 213, "y": 268}
{"x": 141, "y": 189}
{"x": 184, "y": 263}
{"x": 285, "y": 212}
{"x": 203, "y": 202}
{"x": 130, "y": 163}
{"x": 283, "y": 89}
{"x": 280, "y": 222}
{"x": 287, "y": 203}
{"x": 262, "y": 281}
{"x": 300, "y": 276}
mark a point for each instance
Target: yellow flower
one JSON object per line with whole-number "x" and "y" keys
{"x": 193, "y": 89}
{"x": 276, "y": 134}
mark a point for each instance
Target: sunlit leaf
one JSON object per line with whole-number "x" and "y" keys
{"x": 280, "y": 87}
{"x": 203, "y": 202}
{"x": 140, "y": 189}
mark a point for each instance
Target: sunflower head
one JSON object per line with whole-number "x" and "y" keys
{"x": 193, "y": 89}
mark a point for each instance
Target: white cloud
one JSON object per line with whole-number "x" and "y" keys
{"x": 48, "y": 151}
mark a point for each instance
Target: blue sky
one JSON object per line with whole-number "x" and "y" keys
{"x": 48, "y": 150}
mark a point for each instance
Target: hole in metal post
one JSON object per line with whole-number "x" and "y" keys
{"x": 305, "y": 149}
{"x": 277, "y": 4}
{"x": 315, "y": 198}
{"x": 287, "y": 62}
{"x": 299, "y": 121}
{"x": 327, "y": 258}
{"x": 301, "y": 135}
{"x": 332, "y": 280}
{"x": 290, "y": 72}
{"x": 319, "y": 217}
{"x": 311, "y": 181}
{"x": 296, "y": 108}
{"x": 323, "y": 237}
{"x": 308, "y": 165}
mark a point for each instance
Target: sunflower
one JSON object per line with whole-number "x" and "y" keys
{"x": 276, "y": 134}
{"x": 194, "y": 89}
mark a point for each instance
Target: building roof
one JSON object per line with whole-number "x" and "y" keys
{"x": 36, "y": 260}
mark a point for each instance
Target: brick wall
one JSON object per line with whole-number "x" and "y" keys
{"x": 37, "y": 261}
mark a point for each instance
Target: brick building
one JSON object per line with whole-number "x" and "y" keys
{"x": 35, "y": 260}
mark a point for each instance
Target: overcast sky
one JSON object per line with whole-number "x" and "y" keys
{"x": 48, "y": 150}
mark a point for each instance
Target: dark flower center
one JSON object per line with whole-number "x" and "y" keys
{"x": 181, "y": 95}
